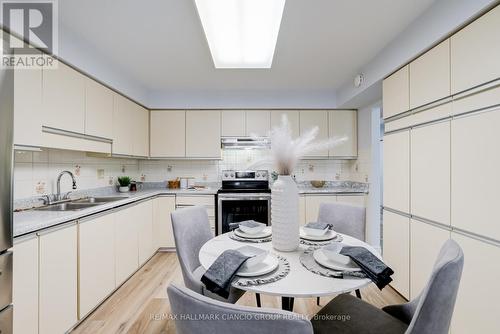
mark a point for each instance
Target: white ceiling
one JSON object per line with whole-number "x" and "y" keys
{"x": 160, "y": 45}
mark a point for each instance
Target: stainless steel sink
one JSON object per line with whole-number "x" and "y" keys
{"x": 70, "y": 206}
{"x": 99, "y": 200}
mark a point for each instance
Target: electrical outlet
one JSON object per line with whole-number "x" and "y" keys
{"x": 123, "y": 169}
{"x": 100, "y": 174}
{"x": 169, "y": 168}
{"x": 77, "y": 170}
{"x": 111, "y": 181}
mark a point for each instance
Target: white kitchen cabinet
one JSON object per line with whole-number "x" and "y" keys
{"x": 312, "y": 205}
{"x": 25, "y": 286}
{"x": 476, "y": 308}
{"x": 203, "y": 134}
{"x": 143, "y": 215}
{"x": 344, "y": 124}
{"x": 162, "y": 224}
{"x": 206, "y": 201}
{"x": 168, "y": 133}
{"x": 425, "y": 243}
{"x": 28, "y": 107}
{"x": 302, "y": 210}
{"x": 396, "y": 174}
{"x": 475, "y": 162}
{"x": 396, "y": 250}
{"x": 123, "y": 116}
{"x": 430, "y": 75}
{"x": 98, "y": 110}
{"x": 359, "y": 200}
{"x": 475, "y": 51}
{"x": 430, "y": 172}
{"x": 315, "y": 118}
{"x": 58, "y": 280}
{"x": 293, "y": 120}
{"x": 233, "y": 123}
{"x": 396, "y": 93}
{"x": 96, "y": 264}
{"x": 64, "y": 99}
{"x": 258, "y": 122}
{"x": 140, "y": 131}
{"x": 126, "y": 244}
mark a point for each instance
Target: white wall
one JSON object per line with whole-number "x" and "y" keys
{"x": 436, "y": 23}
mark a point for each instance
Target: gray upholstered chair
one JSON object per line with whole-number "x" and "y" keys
{"x": 346, "y": 219}
{"x": 430, "y": 312}
{"x": 191, "y": 230}
{"x": 222, "y": 318}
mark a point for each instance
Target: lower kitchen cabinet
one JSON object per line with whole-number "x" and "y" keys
{"x": 425, "y": 243}
{"x": 162, "y": 223}
{"x": 58, "y": 280}
{"x": 143, "y": 215}
{"x": 126, "y": 245}
{"x": 312, "y": 205}
{"x": 25, "y": 286}
{"x": 396, "y": 250}
{"x": 476, "y": 308}
{"x": 96, "y": 262}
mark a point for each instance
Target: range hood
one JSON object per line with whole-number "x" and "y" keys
{"x": 245, "y": 143}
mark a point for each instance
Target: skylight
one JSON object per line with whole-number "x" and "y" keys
{"x": 241, "y": 33}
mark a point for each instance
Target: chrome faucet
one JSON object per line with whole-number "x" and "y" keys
{"x": 58, "y": 195}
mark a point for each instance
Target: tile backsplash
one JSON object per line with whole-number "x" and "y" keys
{"x": 35, "y": 173}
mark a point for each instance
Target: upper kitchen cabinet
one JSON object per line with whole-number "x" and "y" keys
{"x": 140, "y": 131}
{"x": 130, "y": 128}
{"x": 27, "y": 107}
{"x": 123, "y": 111}
{"x": 98, "y": 110}
{"x": 343, "y": 124}
{"x": 475, "y": 51}
{"x": 258, "y": 122}
{"x": 233, "y": 123}
{"x": 168, "y": 133}
{"x": 63, "y": 99}
{"x": 203, "y": 134}
{"x": 315, "y": 118}
{"x": 396, "y": 93}
{"x": 430, "y": 76}
{"x": 293, "y": 120}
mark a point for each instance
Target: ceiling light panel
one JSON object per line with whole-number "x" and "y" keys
{"x": 241, "y": 33}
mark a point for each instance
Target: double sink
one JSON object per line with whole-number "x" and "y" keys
{"x": 80, "y": 204}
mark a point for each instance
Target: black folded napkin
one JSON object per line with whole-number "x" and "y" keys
{"x": 371, "y": 265}
{"x": 218, "y": 277}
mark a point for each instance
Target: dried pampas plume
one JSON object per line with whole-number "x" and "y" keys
{"x": 286, "y": 151}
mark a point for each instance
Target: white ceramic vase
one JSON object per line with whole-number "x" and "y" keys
{"x": 285, "y": 214}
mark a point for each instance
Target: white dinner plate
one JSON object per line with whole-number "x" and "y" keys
{"x": 263, "y": 234}
{"x": 321, "y": 258}
{"x": 270, "y": 263}
{"x": 325, "y": 237}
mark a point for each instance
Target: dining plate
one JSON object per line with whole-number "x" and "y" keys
{"x": 325, "y": 237}
{"x": 263, "y": 234}
{"x": 321, "y": 258}
{"x": 270, "y": 263}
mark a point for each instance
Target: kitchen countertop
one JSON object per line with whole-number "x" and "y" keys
{"x": 31, "y": 221}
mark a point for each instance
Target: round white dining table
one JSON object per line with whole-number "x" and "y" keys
{"x": 300, "y": 282}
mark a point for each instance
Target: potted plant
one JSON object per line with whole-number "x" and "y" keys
{"x": 285, "y": 154}
{"x": 124, "y": 184}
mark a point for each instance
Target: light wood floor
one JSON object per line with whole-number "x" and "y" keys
{"x": 141, "y": 304}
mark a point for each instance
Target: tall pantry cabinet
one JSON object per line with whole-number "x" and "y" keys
{"x": 441, "y": 158}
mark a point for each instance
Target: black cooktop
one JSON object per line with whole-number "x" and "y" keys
{"x": 246, "y": 186}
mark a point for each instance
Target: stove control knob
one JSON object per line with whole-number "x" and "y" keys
{"x": 258, "y": 174}
{"x": 232, "y": 174}
{"x": 226, "y": 174}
